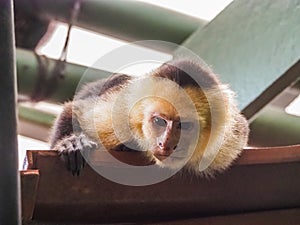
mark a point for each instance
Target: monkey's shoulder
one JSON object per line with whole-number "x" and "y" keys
{"x": 102, "y": 86}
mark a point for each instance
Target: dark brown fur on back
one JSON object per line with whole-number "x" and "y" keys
{"x": 99, "y": 87}
{"x": 187, "y": 73}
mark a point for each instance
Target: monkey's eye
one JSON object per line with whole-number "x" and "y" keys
{"x": 159, "y": 122}
{"x": 185, "y": 125}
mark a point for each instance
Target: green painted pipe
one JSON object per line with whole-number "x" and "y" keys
{"x": 29, "y": 71}
{"x": 36, "y": 116}
{"x": 125, "y": 20}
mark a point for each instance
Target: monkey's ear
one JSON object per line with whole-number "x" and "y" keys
{"x": 187, "y": 72}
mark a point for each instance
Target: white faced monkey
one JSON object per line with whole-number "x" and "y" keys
{"x": 178, "y": 115}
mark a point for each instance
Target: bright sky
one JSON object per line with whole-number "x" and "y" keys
{"x": 294, "y": 107}
{"x": 203, "y": 9}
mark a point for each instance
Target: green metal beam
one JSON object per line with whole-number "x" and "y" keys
{"x": 30, "y": 67}
{"x": 274, "y": 127}
{"x": 251, "y": 44}
{"x": 10, "y": 203}
{"x": 125, "y": 20}
{"x": 36, "y": 116}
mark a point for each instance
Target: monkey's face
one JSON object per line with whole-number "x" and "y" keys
{"x": 167, "y": 135}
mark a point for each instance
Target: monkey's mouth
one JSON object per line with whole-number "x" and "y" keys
{"x": 161, "y": 154}
{"x": 161, "y": 157}
{"x": 172, "y": 156}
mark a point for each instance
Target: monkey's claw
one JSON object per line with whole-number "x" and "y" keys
{"x": 73, "y": 149}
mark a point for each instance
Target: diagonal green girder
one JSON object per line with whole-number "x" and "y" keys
{"x": 251, "y": 44}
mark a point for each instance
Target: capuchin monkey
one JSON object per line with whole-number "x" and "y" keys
{"x": 178, "y": 115}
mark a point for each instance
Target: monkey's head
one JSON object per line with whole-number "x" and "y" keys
{"x": 166, "y": 124}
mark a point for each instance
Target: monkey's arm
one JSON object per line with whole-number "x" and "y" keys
{"x": 63, "y": 126}
{"x": 65, "y": 122}
{"x": 68, "y": 138}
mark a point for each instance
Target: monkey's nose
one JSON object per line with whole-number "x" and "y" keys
{"x": 166, "y": 147}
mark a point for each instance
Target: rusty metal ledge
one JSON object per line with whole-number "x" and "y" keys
{"x": 261, "y": 179}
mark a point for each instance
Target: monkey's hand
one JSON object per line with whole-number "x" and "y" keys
{"x": 72, "y": 148}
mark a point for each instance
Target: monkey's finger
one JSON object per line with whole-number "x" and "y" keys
{"x": 79, "y": 161}
{"x": 64, "y": 156}
{"x": 84, "y": 159}
{"x": 65, "y": 159}
{"x": 90, "y": 145}
{"x": 61, "y": 148}
{"x": 93, "y": 145}
{"x": 68, "y": 154}
{"x": 63, "y": 152}
{"x": 72, "y": 161}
